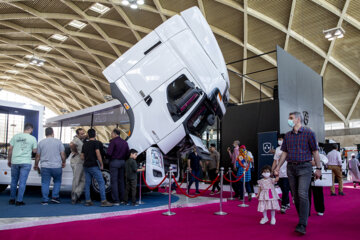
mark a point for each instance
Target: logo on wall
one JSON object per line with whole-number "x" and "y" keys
{"x": 266, "y": 147}
{"x": 306, "y": 117}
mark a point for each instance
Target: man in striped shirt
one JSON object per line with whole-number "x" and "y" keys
{"x": 298, "y": 147}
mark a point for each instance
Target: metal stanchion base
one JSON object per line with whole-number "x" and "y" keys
{"x": 220, "y": 213}
{"x": 243, "y": 205}
{"x": 168, "y": 213}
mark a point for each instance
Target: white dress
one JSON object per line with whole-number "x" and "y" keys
{"x": 268, "y": 197}
{"x": 354, "y": 169}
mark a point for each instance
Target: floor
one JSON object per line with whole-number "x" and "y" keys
{"x": 339, "y": 221}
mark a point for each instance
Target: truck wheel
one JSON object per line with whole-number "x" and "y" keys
{"x": 3, "y": 187}
{"x": 95, "y": 192}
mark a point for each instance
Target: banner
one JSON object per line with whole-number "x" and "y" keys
{"x": 267, "y": 143}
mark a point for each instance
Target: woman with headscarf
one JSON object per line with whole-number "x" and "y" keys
{"x": 354, "y": 169}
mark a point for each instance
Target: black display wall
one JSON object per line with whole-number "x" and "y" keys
{"x": 243, "y": 123}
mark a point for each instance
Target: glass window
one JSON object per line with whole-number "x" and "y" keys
{"x": 182, "y": 94}
{"x": 355, "y": 124}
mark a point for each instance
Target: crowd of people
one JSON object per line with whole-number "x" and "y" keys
{"x": 86, "y": 160}
{"x": 298, "y": 162}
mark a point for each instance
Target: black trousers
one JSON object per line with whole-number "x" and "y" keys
{"x": 213, "y": 175}
{"x": 130, "y": 188}
{"x": 318, "y": 199}
{"x": 117, "y": 175}
{"x": 285, "y": 189}
{"x": 241, "y": 188}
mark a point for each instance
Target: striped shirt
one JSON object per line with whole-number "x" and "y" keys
{"x": 299, "y": 146}
{"x": 241, "y": 170}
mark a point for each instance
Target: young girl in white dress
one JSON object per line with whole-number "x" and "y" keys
{"x": 268, "y": 197}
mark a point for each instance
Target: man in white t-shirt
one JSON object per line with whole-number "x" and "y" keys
{"x": 283, "y": 178}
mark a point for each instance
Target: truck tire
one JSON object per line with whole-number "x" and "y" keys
{"x": 3, "y": 187}
{"x": 95, "y": 192}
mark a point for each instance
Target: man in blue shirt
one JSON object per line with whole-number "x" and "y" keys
{"x": 194, "y": 166}
{"x": 298, "y": 147}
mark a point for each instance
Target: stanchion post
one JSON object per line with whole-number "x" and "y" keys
{"x": 231, "y": 191}
{"x": 187, "y": 181}
{"x": 140, "y": 202}
{"x": 221, "y": 192}
{"x": 243, "y": 204}
{"x": 169, "y": 212}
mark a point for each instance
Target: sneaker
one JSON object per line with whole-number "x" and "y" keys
{"x": 55, "y": 200}
{"x": 218, "y": 191}
{"x": 19, "y": 203}
{"x": 273, "y": 221}
{"x": 12, "y": 202}
{"x": 44, "y": 203}
{"x": 300, "y": 229}
{"x": 88, "y": 203}
{"x": 173, "y": 192}
{"x": 211, "y": 193}
{"x": 320, "y": 214}
{"x": 106, "y": 204}
{"x": 333, "y": 194}
{"x": 264, "y": 220}
{"x": 341, "y": 194}
{"x": 283, "y": 209}
{"x": 288, "y": 206}
{"x": 134, "y": 204}
{"x": 197, "y": 192}
{"x": 115, "y": 203}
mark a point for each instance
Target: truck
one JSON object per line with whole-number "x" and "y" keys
{"x": 172, "y": 84}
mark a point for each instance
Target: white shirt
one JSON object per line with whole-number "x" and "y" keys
{"x": 283, "y": 169}
{"x": 334, "y": 158}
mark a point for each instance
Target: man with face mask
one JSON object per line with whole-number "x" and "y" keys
{"x": 19, "y": 159}
{"x": 283, "y": 178}
{"x": 299, "y": 146}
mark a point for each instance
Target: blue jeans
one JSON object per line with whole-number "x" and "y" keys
{"x": 299, "y": 180}
{"x": 193, "y": 179}
{"x": 46, "y": 175}
{"x": 19, "y": 174}
{"x": 94, "y": 172}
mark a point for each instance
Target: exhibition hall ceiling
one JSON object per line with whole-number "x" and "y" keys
{"x": 73, "y": 42}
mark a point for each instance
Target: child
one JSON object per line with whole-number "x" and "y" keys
{"x": 131, "y": 177}
{"x": 268, "y": 197}
{"x": 241, "y": 165}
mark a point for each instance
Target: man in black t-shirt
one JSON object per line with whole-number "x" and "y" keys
{"x": 92, "y": 166}
{"x": 195, "y": 166}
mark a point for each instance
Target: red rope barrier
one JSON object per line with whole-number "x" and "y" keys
{"x": 201, "y": 180}
{"x": 184, "y": 178}
{"x": 237, "y": 179}
{"x": 232, "y": 173}
{"x": 152, "y": 188}
{"x": 199, "y": 194}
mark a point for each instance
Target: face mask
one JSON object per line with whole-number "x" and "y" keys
{"x": 266, "y": 175}
{"x": 291, "y": 123}
{"x": 280, "y": 142}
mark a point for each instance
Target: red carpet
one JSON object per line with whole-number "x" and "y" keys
{"x": 341, "y": 220}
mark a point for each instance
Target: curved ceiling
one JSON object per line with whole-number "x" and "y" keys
{"x": 71, "y": 77}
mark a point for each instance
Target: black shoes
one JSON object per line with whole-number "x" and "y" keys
{"x": 12, "y": 202}
{"x": 44, "y": 203}
{"x": 333, "y": 194}
{"x": 19, "y": 204}
{"x": 300, "y": 229}
{"x": 341, "y": 194}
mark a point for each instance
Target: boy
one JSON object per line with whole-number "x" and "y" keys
{"x": 131, "y": 177}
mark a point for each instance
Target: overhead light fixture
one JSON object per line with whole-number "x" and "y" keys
{"x": 59, "y": 37}
{"x": 44, "y": 48}
{"x": 63, "y": 110}
{"x": 22, "y": 65}
{"x": 108, "y": 97}
{"x": 12, "y": 71}
{"x": 99, "y": 8}
{"x": 334, "y": 33}
{"x": 133, "y": 3}
{"x": 77, "y": 24}
{"x": 36, "y": 61}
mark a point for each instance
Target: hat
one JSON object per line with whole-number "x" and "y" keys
{"x": 353, "y": 154}
{"x": 242, "y": 147}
